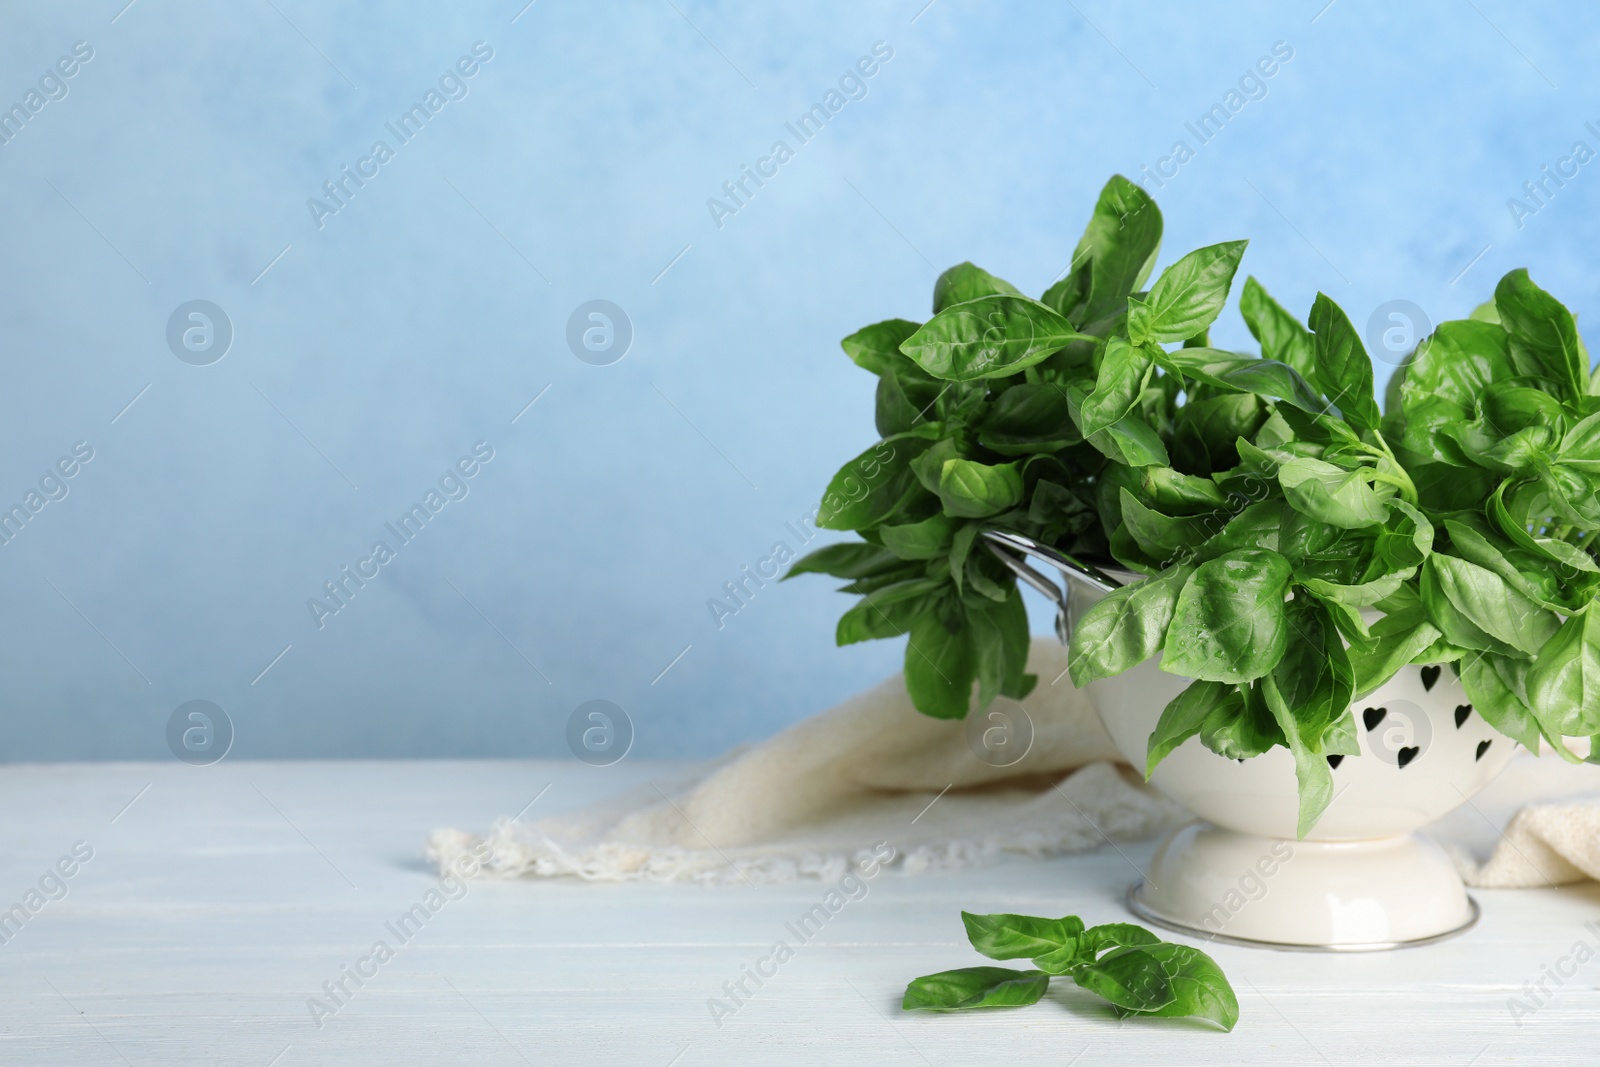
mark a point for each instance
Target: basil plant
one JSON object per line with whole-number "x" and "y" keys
{"x": 1295, "y": 546}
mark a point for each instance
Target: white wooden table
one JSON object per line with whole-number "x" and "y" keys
{"x": 220, "y": 900}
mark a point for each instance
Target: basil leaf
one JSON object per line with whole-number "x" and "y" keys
{"x": 1263, "y": 377}
{"x": 964, "y": 282}
{"x": 975, "y": 987}
{"x": 887, "y": 613}
{"x": 1279, "y": 333}
{"x": 1311, "y": 770}
{"x": 1314, "y": 679}
{"x": 1132, "y": 978}
{"x": 1489, "y": 602}
{"x": 870, "y": 488}
{"x": 1000, "y": 646}
{"x": 1545, "y": 331}
{"x": 1115, "y": 935}
{"x": 1010, "y": 937}
{"x": 989, "y": 337}
{"x": 970, "y": 489}
{"x": 1330, "y": 494}
{"x": 1229, "y": 624}
{"x": 1124, "y": 628}
{"x": 1199, "y": 988}
{"x": 1162, "y": 537}
{"x": 1179, "y": 492}
{"x": 938, "y": 669}
{"x": 1133, "y": 443}
{"x": 1580, "y": 447}
{"x": 1124, "y": 369}
{"x": 1187, "y": 297}
{"x": 1030, "y": 417}
{"x": 919, "y": 540}
{"x": 1114, "y": 256}
{"x": 902, "y": 400}
{"x": 1499, "y": 704}
{"x": 877, "y": 347}
{"x": 1185, "y": 714}
{"x": 1206, "y": 428}
{"x": 1242, "y": 731}
{"x": 1343, "y": 368}
{"x": 851, "y": 559}
{"x": 1443, "y": 381}
{"x": 1564, "y": 680}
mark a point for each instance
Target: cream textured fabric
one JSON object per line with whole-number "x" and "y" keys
{"x": 834, "y": 788}
{"x": 1545, "y": 845}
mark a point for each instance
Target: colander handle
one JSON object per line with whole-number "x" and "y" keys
{"x": 1014, "y": 551}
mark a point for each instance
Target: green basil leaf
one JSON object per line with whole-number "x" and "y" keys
{"x": 1187, "y": 297}
{"x": 1205, "y": 430}
{"x": 877, "y": 347}
{"x": 1124, "y": 628}
{"x": 1564, "y": 680}
{"x": 1343, "y": 368}
{"x": 1311, "y": 770}
{"x": 1580, "y": 447}
{"x": 1229, "y": 624}
{"x": 919, "y": 540}
{"x": 1314, "y": 679}
{"x": 851, "y": 559}
{"x": 1132, "y": 442}
{"x": 1547, "y": 547}
{"x": 1181, "y": 493}
{"x": 1280, "y": 334}
{"x": 1262, "y": 377}
{"x": 964, "y": 282}
{"x": 1498, "y": 703}
{"x": 1185, "y": 714}
{"x": 1242, "y": 730}
{"x": 1097, "y": 939}
{"x": 1489, "y": 602}
{"x": 888, "y": 613}
{"x": 1199, "y": 988}
{"x": 1545, "y": 331}
{"x": 990, "y": 337}
{"x": 969, "y": 489}
{"x": 1331, "y": 494}
{"x": 1010, "y": 937}
{"x": 975, "y": 987}
{"x": 1163, "y": 537}
{"x": 938, "y": 669}
{"x": 869, "y": 489}
{"x": 1000, "y": 646}
{"x": 1030, "y": 417}
{"x": 1132, "y": 978}
{"x": 1443, "y": 381}
{"x": 1124, "y": 370}
{"x": 902, "y": 402}
{"x": 1113, "y": 258}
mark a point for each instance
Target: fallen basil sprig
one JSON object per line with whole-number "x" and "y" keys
{"x": 1126, "y": 964}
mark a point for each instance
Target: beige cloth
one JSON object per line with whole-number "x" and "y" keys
{"x": 831, "y": 789}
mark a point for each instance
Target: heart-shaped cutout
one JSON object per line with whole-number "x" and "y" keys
{"x": 1335, "y": 760}
{"x": 1373, "y": 716}
{"x": 1430, "y": 675}
{"x": 1483, "y": 746}
{"x": 1462, "y": 711}
{"x": 1408, "y": 754}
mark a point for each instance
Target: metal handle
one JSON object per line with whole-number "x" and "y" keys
{"x": 1013, "y": 549}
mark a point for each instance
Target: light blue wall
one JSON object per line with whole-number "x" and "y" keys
{"x": 421, "y": 317}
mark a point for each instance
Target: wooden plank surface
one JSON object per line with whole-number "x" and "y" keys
{"x": 220, "y": 900}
